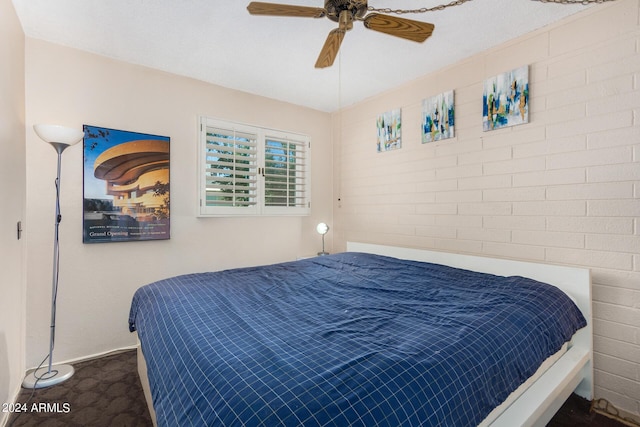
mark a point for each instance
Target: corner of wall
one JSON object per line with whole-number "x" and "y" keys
{"x": 13, "y": 170}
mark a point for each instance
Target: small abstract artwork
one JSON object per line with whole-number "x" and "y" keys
{"x": 438, "y": 117}
{"x": 389, "y": 127}
{"x": 505, "y": 101}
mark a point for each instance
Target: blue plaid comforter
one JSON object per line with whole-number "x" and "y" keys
{"x": 347, "y": 339}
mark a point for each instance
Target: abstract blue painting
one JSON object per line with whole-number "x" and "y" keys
{"x": 505, "y": 101}
{"x": 389, "y": 127}
{"x": 438, "y": 117}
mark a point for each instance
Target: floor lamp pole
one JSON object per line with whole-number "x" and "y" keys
{"x": 56, "y": 259}
{"x": 43, "y": 377}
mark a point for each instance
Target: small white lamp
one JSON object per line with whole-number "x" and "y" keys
{"x": 322, "y": 229}
{"x": 60, "y": 138}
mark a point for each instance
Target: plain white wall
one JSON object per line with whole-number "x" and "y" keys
{"x": 12, "y": 196}
{"x": 97, "y": 281}
{"x": 563, "y": 189}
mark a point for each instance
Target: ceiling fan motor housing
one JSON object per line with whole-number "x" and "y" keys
{"x": 357, "y": 8}
{"x": 345, "y": 12}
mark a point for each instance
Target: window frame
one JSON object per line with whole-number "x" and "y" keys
{"x": 260, "y": 208}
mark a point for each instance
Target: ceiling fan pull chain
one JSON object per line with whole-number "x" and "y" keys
{"x": 584, "y": 2}
{"x": 421, "y": 10}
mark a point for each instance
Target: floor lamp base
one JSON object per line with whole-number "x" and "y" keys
{"x": 41, "y": 378}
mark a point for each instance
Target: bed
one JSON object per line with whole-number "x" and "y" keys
{"x": 378, "y": 335}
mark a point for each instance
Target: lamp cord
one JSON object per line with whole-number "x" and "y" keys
{"x": 56, "y": 262}
{"x": 604, "y": 407}
{"x": 56, "y": 249}
{"x": 14, "y": 417}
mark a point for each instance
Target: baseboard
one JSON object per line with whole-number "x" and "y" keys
{"x": 89, "y": 357}
{"x": 99, "y": 355}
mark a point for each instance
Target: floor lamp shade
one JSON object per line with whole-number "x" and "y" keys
{"x": 56, "y": 134}
{"x": 60, "y": 137}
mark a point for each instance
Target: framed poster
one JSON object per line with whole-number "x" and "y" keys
{"x": 126, "y": 186}
{"x": 505, "y": 100}
{"x": 389, "y": 128}
{"x": 438, "y": 118}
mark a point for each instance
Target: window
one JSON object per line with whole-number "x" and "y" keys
{"x": 247, "y": 170}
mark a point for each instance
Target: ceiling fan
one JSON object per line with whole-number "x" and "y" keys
{"x": 344, "y": 12}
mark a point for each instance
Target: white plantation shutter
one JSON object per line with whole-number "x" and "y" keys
{"x": 246, "y": 170}
{"x": 285, "y": 172}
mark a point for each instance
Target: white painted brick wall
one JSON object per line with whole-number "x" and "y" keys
{"x": 550, "y": 146}
{"x": 550, "y": 208}
{"x": 564, "y": 188}
{"x": 558, "y": 239}
{"x": 550, "y": 177}
{"x": 613, "y": 190}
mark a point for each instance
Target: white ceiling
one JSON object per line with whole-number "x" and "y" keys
{"x": 217, "y": 41}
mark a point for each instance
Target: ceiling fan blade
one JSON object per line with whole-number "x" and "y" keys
{"x": 330, "y": 49}
{"x": 400, "y": 27}
{"x": 273, "y": 9}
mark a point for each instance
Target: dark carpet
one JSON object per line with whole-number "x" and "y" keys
{"x": 107, "y": 392}
{"x": 102, "y": 392}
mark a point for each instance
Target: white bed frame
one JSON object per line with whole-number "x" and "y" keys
{"x": 572, "y": 372}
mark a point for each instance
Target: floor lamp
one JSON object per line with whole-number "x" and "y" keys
{"x": 60, "y": 138}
